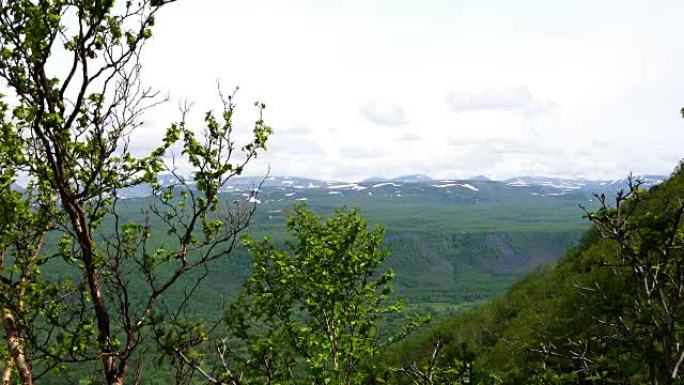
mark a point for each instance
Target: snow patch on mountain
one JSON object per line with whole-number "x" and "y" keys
{"x": 518, "y": 183}
{"x": 341, "y": 186}
{"x": 386, "y": 184}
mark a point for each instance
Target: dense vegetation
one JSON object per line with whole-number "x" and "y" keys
{"x": 446, "y": 255}
{"x": 608, "y": 312}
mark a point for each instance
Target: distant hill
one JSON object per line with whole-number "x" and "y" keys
{"x": 478, "y": 188}
{"x": 560, "y": 185}
{"x": 480, "y": 178}
{"x": 415, "y": 178}
{"x": 375, "y": 179}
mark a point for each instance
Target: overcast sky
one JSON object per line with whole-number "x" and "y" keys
{"x": 448, "y": 88}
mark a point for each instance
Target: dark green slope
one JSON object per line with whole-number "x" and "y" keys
{"x": 535, "y": 332}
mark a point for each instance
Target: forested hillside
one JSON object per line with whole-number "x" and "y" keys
{"x": 450, "y": 246}
{"x": 609, "y": 311}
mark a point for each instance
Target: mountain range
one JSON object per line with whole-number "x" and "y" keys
{"x": 480, "y": 186}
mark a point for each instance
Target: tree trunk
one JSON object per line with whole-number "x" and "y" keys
{"x": 87, "y": 246}
{"x": 117, "y": 380}
{"x": 7, "y": 372}
{"x": 16, "y": 349}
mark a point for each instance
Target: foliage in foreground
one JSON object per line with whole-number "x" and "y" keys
{"x": 310, "y": 313}
{"x": 66, "y": 132}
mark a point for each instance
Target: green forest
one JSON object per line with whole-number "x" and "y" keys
{"x": 605, "y": 313}
{"x": 170, "y": 266}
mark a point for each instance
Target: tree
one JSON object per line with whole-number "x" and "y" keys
{"x": 649, "y": 239}
{"x": 67, "y": 134}
{"x": 445, "y": 366}
{"x": 309, "y": 313}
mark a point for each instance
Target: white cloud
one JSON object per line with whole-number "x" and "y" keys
{"x": 294, "y": 141}
{"x": 514, "y": 98}
{"x": 359, "y": 152}
{"x": 383, "y": 113}
{"x": 409, "y": 137}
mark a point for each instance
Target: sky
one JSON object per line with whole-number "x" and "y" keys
{"x": 447, "y": 88}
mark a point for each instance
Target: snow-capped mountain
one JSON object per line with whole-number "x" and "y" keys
{"x": 581, "y": 184}
{"x": 412, "y": 187}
